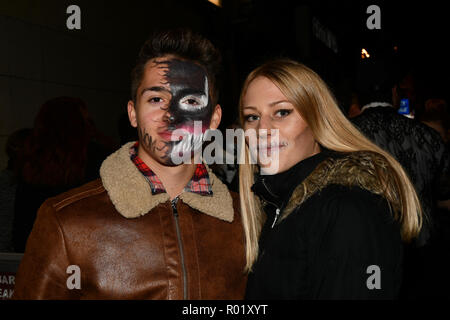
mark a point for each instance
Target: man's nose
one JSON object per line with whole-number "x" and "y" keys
{"x": 169, "y": 117}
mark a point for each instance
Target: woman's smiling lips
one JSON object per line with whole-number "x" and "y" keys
{"x": 270, "y": 148}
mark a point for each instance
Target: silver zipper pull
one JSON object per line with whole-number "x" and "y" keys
{"x": 277, "y": 213}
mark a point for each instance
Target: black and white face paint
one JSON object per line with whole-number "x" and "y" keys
{"x": 190, "y": 108}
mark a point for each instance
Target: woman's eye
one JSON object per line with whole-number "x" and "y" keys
{"x": 250, "y": 118}
{"x": 283, "y": 113}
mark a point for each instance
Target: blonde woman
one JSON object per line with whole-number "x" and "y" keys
{"x": 328, "y": 220}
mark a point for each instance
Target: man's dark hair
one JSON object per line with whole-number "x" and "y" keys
{"x": 183, "y": 44}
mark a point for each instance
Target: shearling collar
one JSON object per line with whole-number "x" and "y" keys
{"x": 353, "y": 169}
{"x": 130, "y": 192}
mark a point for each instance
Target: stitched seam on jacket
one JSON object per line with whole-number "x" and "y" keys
{"x": 164, "y": 252}
{"x": 61, "y": 230}
{"x": 196, "y": 257}
{"x": 79, "y": 196}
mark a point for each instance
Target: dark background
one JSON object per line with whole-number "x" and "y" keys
{"x": 40, "y": 58}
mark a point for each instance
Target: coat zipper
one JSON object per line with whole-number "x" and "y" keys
{"x": 277, "y": 211}
{"x": 277, "y": 214}
{"x": 180, "y": 245}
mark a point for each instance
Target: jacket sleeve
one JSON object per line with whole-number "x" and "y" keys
{"x": 42, "y": 271}
{"x": 362, "y": 252}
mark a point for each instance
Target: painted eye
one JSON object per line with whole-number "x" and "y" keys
{"x": 192, "y": 103}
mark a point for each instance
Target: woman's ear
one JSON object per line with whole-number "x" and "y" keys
{"x": 132, "y": 113}
{"x": 216, "y": 117}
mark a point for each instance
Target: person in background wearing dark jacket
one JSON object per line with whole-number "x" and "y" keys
{"x": 56, "y": 158}
{"x": 418, "y": 148}
{"x": 327, "y": 220}
{"x": 424, "y": 156}
{"x": 151, "y": 227}
{"x": 8, "y": 185}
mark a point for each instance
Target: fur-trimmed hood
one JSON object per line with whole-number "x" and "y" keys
{"x": 131, "y": 195}
{"x": 361, "y": 169}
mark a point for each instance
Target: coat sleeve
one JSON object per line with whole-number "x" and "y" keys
{"x": 42, "y": 271}
{"x": 362, "y": 250}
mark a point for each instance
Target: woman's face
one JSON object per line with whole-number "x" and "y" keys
{"x": 283, "y": 137}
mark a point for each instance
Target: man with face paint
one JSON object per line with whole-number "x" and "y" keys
{"x": 180, "y": 90}
{"x": 158, "y": 224}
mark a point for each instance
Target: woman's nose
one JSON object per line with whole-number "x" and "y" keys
{"x": 265, "y": 123}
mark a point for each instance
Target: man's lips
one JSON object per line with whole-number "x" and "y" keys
{"x": 177, "y": 134}
{"x": 169, "y": 135}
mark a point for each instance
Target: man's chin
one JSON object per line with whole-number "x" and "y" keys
{"x": 177, "y": 160}
{"x": 171, "y": 155}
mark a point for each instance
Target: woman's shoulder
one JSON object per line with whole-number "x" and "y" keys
{"x": 346, "y": 215}
{"x": 349, "y": 207}
{"x": 350, "y": 196}
{"x": 347, "y": 175}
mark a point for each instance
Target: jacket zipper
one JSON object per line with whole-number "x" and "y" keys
{"x": 180, "y": 245}
{"x": 277, "y": 214}
{"x": 277, "y": 211}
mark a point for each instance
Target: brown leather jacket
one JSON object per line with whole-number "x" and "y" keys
{"x": 130, "y": 244}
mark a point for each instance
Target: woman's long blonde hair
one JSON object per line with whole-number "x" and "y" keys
{"x": 332, "y": 130}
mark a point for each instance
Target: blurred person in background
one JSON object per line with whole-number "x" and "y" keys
{"x": 418, "y": 148}
{"x": 227, "y": 171}
{"x": 56, "y": 158}
{"x": 354, "y": 109}
{"x": 436, "y": 116}
{"x": 422, "y": 153}
{"x": 8, "y": 185}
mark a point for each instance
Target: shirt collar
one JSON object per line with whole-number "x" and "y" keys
{"x": 199, "y": 183}
{"x": 375, "y": 104}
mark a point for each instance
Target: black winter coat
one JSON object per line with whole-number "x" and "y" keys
{"x": 339, "y": 240}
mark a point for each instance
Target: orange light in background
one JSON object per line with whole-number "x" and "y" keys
{"x": 395, "y": 48}
{"x": 364, "y": 54}
{"x": 216, "y": 2}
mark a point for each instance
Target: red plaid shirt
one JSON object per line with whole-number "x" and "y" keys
{"x": 199, "y": 182}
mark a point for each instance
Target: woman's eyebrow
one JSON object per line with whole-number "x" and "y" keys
{"x": 277, "y": 102}
{"x": 270, "y": 104}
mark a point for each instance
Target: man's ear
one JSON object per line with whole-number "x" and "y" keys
{"x": 132, "y": 113}
{"x": 216, "y": 117}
